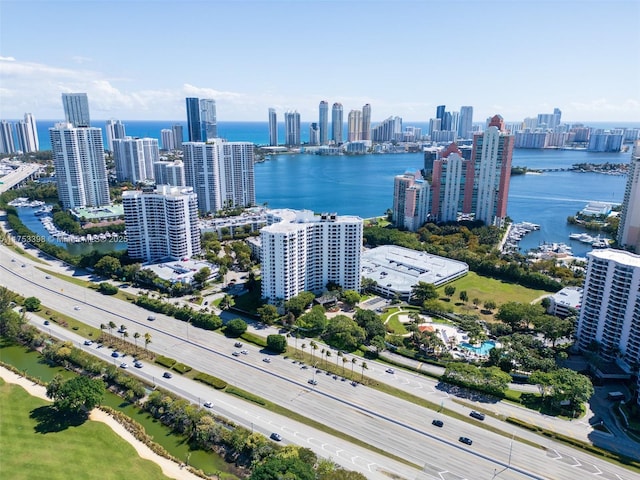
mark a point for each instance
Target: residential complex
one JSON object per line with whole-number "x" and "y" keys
{"x": 161, "y": 223}
{"x": 292, "y": 129}
{"x": 7, "y": 144}
{"x": 202, "y": 123}
{"x": 81, "y": 171}
{"x": 169, "y": 173}
{"x": 273, "y": 128}
{"x": 134, "y": 158}
{"x": 221, "y": 174}
{"x": 323, "y": 122}
{"x": 609, "y": 319}
{"x": 410, "y": 201}
{"x": 629, "y": 227}
{"x": 301, "y": 251}
{"x": 115, "y": 130}
{"x": 76, "y": 109}
{"x": 336, "y": 123}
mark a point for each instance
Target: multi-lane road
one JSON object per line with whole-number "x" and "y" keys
{"x": 400, "y": 428}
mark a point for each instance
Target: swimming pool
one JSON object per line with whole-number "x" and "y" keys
{"x": 482, "y": 349}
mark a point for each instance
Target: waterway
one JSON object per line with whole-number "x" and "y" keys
{"x": 363, "y": 185}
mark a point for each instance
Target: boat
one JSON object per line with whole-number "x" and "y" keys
{"x": 582, "y": 237}
{"x": 601, "y": 242}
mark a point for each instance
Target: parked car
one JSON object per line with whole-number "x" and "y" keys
{"x": 275, "y": 436}
{"x": 477, "y": 415}
{"x": 438, "y": 423}
{"x": 167, "y": 375}
{"x": 466, "y": 440}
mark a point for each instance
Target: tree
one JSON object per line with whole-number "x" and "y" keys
{"x": 490, "y": 305}
{"x": 449, "y": 290}
{"x": 299, "y": 303}
{"x": 227, "y": 302}
{"x": 354, "y": 360}
{"x": 313, "y": 322}
{"x": 32, "y": 304}
{"x": 108, "y": 266}
{"x": 344, "y": 333}
{"x": 351, "y": 298}
{"x": 268, "y": 314}
{"x": 475, "y": 301}
{"x": 136, "y": 336}
{"x": 553, "y": 328}
{"x": 201, "y": 276}
{"x": 235, "y": 327}
{"x": 111, "y": 326}
{"x": 464, "y": 296}
{"x": 518, "y": 315}
{"x": 423, "y": 291}
{"x": 76, "y": 395}
{"x": 364, "y": 367}
{"x": 277, "y": 343}
{"x": 147, "y": 340}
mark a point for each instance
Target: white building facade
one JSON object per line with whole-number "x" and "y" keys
{"x": 610, "y": 311}
{"x": 221, "y": 173}
{"x": 81, "y": 171}
{"x": 305, "y": 252}
{"x": 629, "y": 228}
{"x": 161, "y": 223}
{"x": 169, "y": 173}
{"x": 134, "y": 158}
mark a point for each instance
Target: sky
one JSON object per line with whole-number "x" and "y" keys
{"x": 140, "y": 59}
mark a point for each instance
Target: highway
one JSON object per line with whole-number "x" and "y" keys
{"x": 396, "y": 426}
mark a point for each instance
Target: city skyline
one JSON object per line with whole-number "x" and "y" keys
{"x": 496, "y": 59}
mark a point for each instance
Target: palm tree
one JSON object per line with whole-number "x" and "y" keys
{"x": 322, "y": 355}
{"x": 338, "y": 355}
{"x": 354, "y": 360}
{"x": 147, "y": 340}
{"x": 344, "y": 360}
{"x": 136, "y": 336}
{"x": 103, "y": 326}
{"x": 303, "y": 346}
{"x": 125, "y": 335}
{"x": 364, "y": 367}
{"x": 111, "y": 326}
{"x": 314, "y": 347}
{"x": 327, "y": 352}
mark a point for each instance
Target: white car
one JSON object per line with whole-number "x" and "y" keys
{"x": 124, "y": 365}
{"x": 390, "y": 370}
{"x": 208, "y": 404}
{"x": 244, "y": 352}
{"x": 266, "y": 360}
{"x": 76, "y": 307}
{"x": 236, "y": 354}
{"x": 88, "y": 342}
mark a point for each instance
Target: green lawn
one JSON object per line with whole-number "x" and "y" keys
{"x": 486, "y": 288}
{"x": 32, "y": 448}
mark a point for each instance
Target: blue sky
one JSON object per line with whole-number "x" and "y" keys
{"x": 139, "y": 59}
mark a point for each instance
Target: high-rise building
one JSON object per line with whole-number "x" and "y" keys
{"x": 208, "y": 120}
{"x": 410, "y": 201}
{"x": 161, "y": 223}
{"x": 194, "y": 129}
{"x": 465, "y": 125}
{"x": 292, "y": 129}
{"x": 366, "y": 123}
{"x": 169, "y": 173}
{"x": 492, "y": 154}
{"x": 273, "y": 128}
{"x": 610, "y": 311}
{"x": 134, "y": 158}
{"x": 440, "y": 111}
{"x": 115, "y": 129}
{"x": 305, "y": 252}
{"x": 354, "y": 126}
{"x": 81, "y": 171}
{"x": 178, "y": 136}
{"x": 629, "y": 227}
{"x": 323, "y": 120}
{"x": 314, "y": 134}
{"x": 76, "y": 109}
{"x": 221, "y": 174}
{"x": 6, "y": 137}
{"x": 27, "y": 134}
{"x": 337, "y": 123}
{"x": 168, "y": 139}
{"x": 388, "y": 130}
{"x": 452, "y": 184}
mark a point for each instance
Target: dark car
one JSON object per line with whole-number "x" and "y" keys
{"x": 275, "y": 436}
{"x": 237, "y": 344}
{"x": 167, "y": 375}
{"x": 115, "y": 354}
{"x": 438, "y": 423}
{"x": 477, "y": 415}
{"x": 46, "y": 322}
{"x": 466, "y": 440}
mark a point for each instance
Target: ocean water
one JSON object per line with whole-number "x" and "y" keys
{"x": 363, "y": 185}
